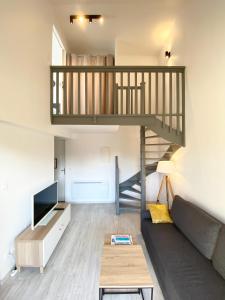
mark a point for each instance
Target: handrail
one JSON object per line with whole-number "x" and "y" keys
{"x": 117, "y": 201}
{"x": 117, "y": 68}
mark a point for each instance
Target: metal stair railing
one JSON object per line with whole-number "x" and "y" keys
{"x": 117, "y": 185}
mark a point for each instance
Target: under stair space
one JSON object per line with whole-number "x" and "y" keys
{"x": 130, "y": 194}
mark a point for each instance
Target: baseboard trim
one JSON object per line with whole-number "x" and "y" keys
{"x": 91, "y": 202}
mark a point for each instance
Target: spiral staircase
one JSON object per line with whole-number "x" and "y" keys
{"x": 130, "y": 193}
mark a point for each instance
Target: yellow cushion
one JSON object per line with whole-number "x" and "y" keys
{"x": 159, "y": 213}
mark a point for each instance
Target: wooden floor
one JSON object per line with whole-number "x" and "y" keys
{"x": 73, "y": 270}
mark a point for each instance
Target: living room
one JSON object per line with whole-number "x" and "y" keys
{"x": 104, "y": 152}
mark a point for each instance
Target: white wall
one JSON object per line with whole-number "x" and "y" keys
{"x": 25, "y": 57}
{"x": 90, "y": 157}
{"x": 26, "y": 155}
{"x": 201, "y": 164}
{"x": 133, "y": 55}
{"x": 26, "y": 160}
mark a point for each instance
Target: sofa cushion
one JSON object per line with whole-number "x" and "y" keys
{"x": 183, "y": 273}
{"x": 159, "y": 213}
{"x": 219, "y": 254}
{"x": 199, "y": 227}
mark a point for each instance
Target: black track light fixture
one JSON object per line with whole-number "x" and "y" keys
{"x": 82, "y": 18}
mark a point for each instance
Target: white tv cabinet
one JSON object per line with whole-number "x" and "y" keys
{"x": 34, "y": 247}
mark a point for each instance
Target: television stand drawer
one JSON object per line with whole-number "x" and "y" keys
{"x": 51, "y": 240}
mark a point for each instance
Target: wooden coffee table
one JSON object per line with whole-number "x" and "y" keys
{"x": 124, "y": 268}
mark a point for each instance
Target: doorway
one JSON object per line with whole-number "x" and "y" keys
{"x": 59, "y": 167}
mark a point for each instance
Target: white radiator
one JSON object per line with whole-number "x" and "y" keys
{"x": 89, "y": 191}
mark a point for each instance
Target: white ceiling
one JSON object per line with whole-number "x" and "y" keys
{"x": 146, "y": 24}
{"x": 76, "y": 129}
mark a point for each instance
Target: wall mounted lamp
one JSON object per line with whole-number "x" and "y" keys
{"x": 81, "y": 18}
{"x": 167, "y": 54}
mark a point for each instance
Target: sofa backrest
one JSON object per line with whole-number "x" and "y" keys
{"x": 219, "y": 254}
{"x": 198, "y": 226}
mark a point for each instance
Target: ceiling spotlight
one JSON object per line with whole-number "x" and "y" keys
{"x": 80, "y": 19}
{"x": 167, "y": 54}
{"x": 90, "y": 18}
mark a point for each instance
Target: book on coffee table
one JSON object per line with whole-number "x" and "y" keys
{"x": 121, "y": 239}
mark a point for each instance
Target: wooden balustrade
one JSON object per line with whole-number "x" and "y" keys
{"x": 112, "y": 95}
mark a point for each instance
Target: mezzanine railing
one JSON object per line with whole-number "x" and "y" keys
{"x": 123, "y": 95}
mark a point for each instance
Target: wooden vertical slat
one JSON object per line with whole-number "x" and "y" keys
{"x": 150, "y": 92}
{"x": 93, "y": 93}
{"x": 86, "y": 94}
{"x": 170, "y": 100}
{"x": 143, "y": 93}
{"x": 142, "y": 163}
{"x": 128, "y": 94}
{"x": 100, "y": 93}
{"x": 116, "y": 88}
{"x": 106, "y": 93}
{"x": 131, "y": 101}
{"x": 142, "y": 98}
{"x": 51, "y": 94}
{"x": 183, "y": 107}
{"x": 57, "y": 93}
{"x": 136, "y": 94}
{"x": 64, "y": 93}
{"x": 121, "y": 94}
{"x": 164, "y": 99}
{"x": 78, "y": 100}
{"x": 156, "y": 93}
{"x": 113, "y": 93}
{"x": 71, "y": 94}
{"x": 178, "y": 101}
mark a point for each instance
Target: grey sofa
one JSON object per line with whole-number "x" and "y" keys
{"x": 189, "y": 255}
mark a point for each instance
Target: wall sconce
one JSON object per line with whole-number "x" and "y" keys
{"x": 81, "y": 18}
{"x": 167, "y": 54}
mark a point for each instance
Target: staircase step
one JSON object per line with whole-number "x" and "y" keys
{"x": 152, "y": 136}
{"x": 130, "y": 205}
{"x": 158, "y": 151}
{"x": 128, "y": 197}
{"x": 152, "y": 158}
{"x": 159, "y": 144}
{"x": 132, "y": 189}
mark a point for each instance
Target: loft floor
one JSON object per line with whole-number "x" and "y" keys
{"x": 73, "y": 270}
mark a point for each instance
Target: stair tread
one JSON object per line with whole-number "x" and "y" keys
{"x": 158, "y": 151}
{"x": 159, "y": 144}
{"x": 152, "y": 136}
{"x": 130, "y": 189}
{"x": 128, "y": 197}
{"x": 130, "y": 205}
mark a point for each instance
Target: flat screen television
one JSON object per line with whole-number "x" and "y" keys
{"x": 43, "y": 203}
